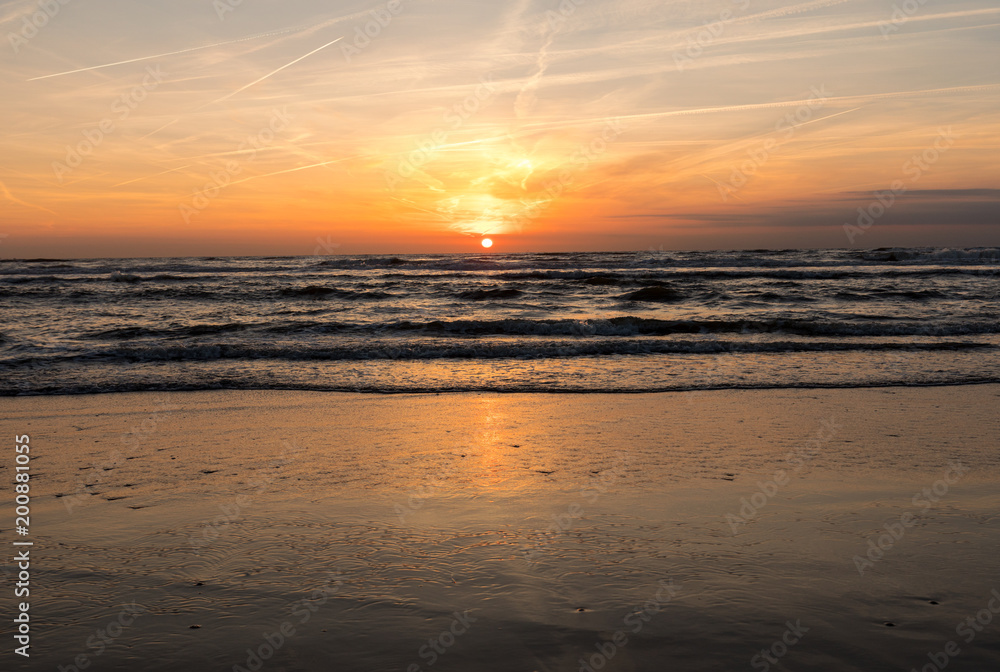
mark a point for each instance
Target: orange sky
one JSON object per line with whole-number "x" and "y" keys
{"x": 282, "y": 128}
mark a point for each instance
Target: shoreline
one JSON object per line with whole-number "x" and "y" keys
{"x": 571, "y": 392}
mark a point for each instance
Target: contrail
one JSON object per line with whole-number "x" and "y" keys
{"x": 257, "y": 81}
{"x": 282, "y": 172}
{"x": 859, "y": 98}
{"x": 786, "y": 11}
{"x": 683, "y": 165}
{"x": 712, "y": 179}
{"x": 172, "y": 170}
{"x": 13, "y": 198}
{"x": 526, "y": 97}
{"x": 171, "y": 53}
{"x": 169, "y": 123}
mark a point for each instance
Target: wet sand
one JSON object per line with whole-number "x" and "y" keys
{"x": 834, "y": 529}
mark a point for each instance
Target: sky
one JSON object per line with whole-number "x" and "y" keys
{"x": 257, "y": 127}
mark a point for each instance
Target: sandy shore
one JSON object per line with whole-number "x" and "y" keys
{"x": 834, "y": 529}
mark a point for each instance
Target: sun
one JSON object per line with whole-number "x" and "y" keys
{"x": 487, "y": 242}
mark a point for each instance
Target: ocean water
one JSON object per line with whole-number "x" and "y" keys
{"x": 594, "y": 322}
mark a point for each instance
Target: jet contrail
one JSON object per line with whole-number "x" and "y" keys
{"x": 282, "y": 172}
{"x": 851, "y": 99}
{"x": 786, "y": 11}
{"x": 171, "y": 53}
{"x": 146, "y": 177}
{"x": 257, "y": 81}
{"x": 6, "y": 192}
{"x": 169, "y": 123}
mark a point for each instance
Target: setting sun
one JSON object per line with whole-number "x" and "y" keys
{"x": 487, "y": 242}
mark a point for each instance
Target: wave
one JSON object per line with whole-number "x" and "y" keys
{"x": 774, "y": 297}
{"x": 180, "y": 278}
{"x": 613, "y": 277}
{"x": 602, "y": 280}
{"x": 751, "y": 261}
{"x": 901, "y": 254}
{"x": 119, "y": 276}
{"x": 876, "y": 294}
{"x": 635, "y": 326}
{"x": 597, "y": 275}
{"x": 502, "y": 387}
{"x": 397, "y": 292}
{"x": 623, "y": 326}
{"x": 475, "y": 350}
{"x": 40, "y": 279}
{"x": 489, "y": 294}
{"x": 169, "y": 332}
{"x": 655, "y": 293}
{"x": 320, "y": 292}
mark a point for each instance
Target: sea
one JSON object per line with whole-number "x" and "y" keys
{"x": 549, "y": 322}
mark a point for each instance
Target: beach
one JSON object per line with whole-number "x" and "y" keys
{"x": 849, "y": 529}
